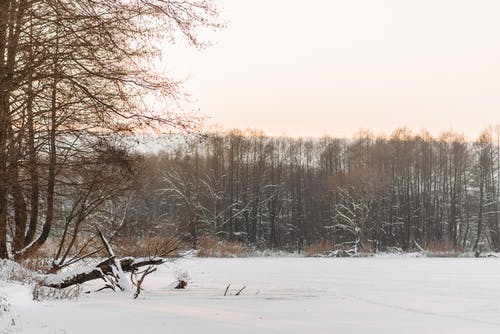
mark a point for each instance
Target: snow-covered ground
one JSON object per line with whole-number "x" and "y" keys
{"x": 283, "y": 295}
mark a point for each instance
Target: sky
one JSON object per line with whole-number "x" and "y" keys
{"x": 310, "y": 68}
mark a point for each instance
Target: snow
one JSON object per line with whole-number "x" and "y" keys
{"x": 387, "y": 294}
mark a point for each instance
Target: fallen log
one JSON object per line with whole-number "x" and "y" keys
{"x": 99, "y": 271}
{"x": 111, "y": 271}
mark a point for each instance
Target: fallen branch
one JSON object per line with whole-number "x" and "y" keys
{"x": 238, "y": 293}
{"x": 111, "y": 271}
{"x": 101, "y": 270}
{"x": 138, "y": 285}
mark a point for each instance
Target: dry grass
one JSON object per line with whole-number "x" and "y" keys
{"x": 320, "y": 248}
{"x": 41, "y": 261}
{"x": 38, "y": 264}
{"x": 442, "y": 249}
{"x": 210, "y": 246}
{"x": 41, "y": 293}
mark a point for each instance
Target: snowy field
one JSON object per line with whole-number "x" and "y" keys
{"x": 284, "y": 295}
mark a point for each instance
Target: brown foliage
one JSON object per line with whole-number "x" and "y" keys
{"x": 322, "y": 247}
{"x": 210, "y": 246}
{"x": 442, "y": 249}
{"x": 149, "y": 246}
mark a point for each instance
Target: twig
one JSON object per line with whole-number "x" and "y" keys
{"x": 225, "y": 293}
{"x": 107, "y": 286}
{"x": 145, "y": 273}
{"x": 238, "y": 293}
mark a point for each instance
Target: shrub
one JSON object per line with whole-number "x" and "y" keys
{"x": 38, "y": 264}
{"x": 149, "y": 246}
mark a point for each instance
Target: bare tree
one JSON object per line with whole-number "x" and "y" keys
{"x": 75, "y": 80}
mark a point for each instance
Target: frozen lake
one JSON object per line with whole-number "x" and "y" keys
{"x": 287, "y": 295}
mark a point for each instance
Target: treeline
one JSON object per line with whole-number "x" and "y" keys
{"x": 370, "y": 193}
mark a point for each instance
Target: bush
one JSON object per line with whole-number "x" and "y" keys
{"x": 38, "y": 264}
{"x": 149, "y": 246}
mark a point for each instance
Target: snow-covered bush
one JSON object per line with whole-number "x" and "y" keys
{"x": 182, "y": 275}
{"x": 11, "y": 271}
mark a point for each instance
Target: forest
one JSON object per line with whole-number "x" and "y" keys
{"x": 404, "y": 191}
{"x": 80, "y": 79}
{"x": 124, "y": 208}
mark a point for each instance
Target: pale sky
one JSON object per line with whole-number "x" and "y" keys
{"x": 309, "y": 68}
